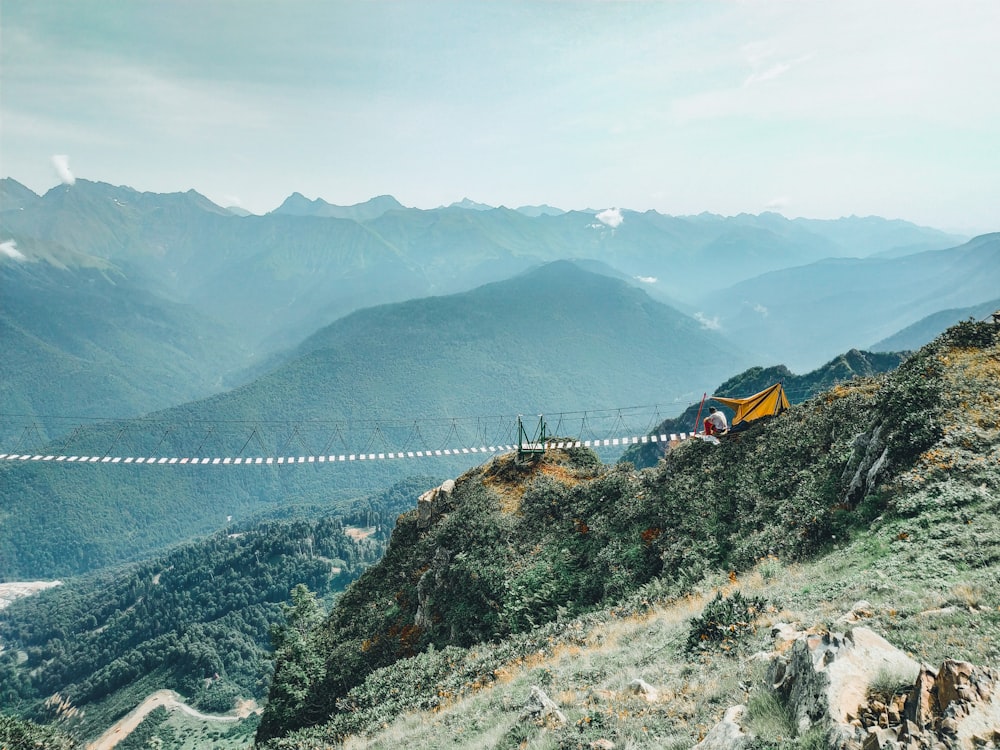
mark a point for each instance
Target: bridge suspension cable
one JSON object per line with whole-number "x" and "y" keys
{"x": 150, "y": 441}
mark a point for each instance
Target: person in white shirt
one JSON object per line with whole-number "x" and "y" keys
{"x": 715, "y": 422}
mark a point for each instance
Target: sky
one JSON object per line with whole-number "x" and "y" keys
{"x": 807, "y": 108}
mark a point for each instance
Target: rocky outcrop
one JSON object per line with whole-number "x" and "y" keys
{"x": 433, "y": 503}
{"x": 957, "y": 706}
{"x": 844, "y": 682}
{"x": 825, "y": 676}
{"x": 869, "y": 454}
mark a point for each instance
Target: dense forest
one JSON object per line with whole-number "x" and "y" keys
{"x": 200, "y": 618}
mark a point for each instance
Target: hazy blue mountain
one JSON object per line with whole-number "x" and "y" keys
{"x": 271, "y": 281}
{"x": 471, "y": 205}
{"x": 541, "y": 210}
{"x": 425, "y": 374}
{"x": 802, "y": 316}
{"x": 927, "y": 329}
{"x": 15, "y": 196}
{"x": 281, "y": 276}
{"x": 863, "y": 236}
{"x": 298, "y": 205}
{"x": 84, "y": 342}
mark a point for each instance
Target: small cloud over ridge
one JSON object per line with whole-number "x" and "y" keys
{"x": 647, "y": 279}
{"x": 9, "y": 248}
{"x": 61, "y": 163}
{"x": 710, "y": 324}
{"x": 611, "y": 217}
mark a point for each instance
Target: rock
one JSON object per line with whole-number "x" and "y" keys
{"x": 784, "y": 635}
{"x": 881, "y": 739}
{"x": 921, "y": 704}
{"x": 602, "y": 744}
{"x": 542, "y": 710}
{"x": 643, "y": 688}
{"x": 953, "y": 682}
{"x": 865, "y": 465}
{"x": 861, "y": 610}
{"x": 429, "y": 504}
{"x": 827, "y": 676}
{"x": 728, "y": 734}
{"x": 431, "y": 578}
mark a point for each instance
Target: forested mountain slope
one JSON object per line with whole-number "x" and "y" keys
{"x": 196, "y": 620}
{"x": 83, "y": 341}
{"x": 516, "y": 545}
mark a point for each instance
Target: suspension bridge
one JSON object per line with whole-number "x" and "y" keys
{"x": 152, "y": 441}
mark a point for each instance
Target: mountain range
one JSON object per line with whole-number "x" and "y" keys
{"x": 277, "y": 278}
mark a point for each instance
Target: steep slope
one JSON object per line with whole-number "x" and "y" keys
{"x": 513, "y": 546}
{"x": 787, "y": 314}
{"x": 556, "y": 339}
{"x": 14, "y": 196}
{"x": 81, "y": 341}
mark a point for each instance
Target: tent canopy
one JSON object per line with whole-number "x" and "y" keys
{"x": 767, "y": 403}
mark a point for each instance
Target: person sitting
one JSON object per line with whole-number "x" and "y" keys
{"x": 715, "y": 422}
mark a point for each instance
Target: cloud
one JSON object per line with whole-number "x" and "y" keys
{"x": 766, "y": 75}
{"x": 9, "y": 248}
{"x": 760, "y": 309}
{"x": 61, "y": 163}
{"x": 777, "y": 204}
{"x": 711, "y": 324}
{"x": 646, "y": 279}
{"x": 611, "y": 217}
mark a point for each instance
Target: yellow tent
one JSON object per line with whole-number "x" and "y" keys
{"x": 767, "y": 403}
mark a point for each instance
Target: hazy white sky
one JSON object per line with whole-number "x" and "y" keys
{"x": 819, "y": 109}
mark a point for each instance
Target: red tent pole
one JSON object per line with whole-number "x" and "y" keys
{"x": 698, "y": 418}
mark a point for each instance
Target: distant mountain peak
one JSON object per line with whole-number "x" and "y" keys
{"x": 471, "y": 205}
{"x": 297, "y": 204}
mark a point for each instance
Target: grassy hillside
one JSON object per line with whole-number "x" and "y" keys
{"x": 523, "y": 564}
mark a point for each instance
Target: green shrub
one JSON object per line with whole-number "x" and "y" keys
{"x": 724, "y": 621}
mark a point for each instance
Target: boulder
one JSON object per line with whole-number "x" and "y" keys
{"x": 643, "y": 688}
{"x": 826, "y": 676}
{"x": 728, "y": 734}
{"x": 542, "y": 710}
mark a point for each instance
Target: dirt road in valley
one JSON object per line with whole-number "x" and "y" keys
{"x": 170, "y": 701}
